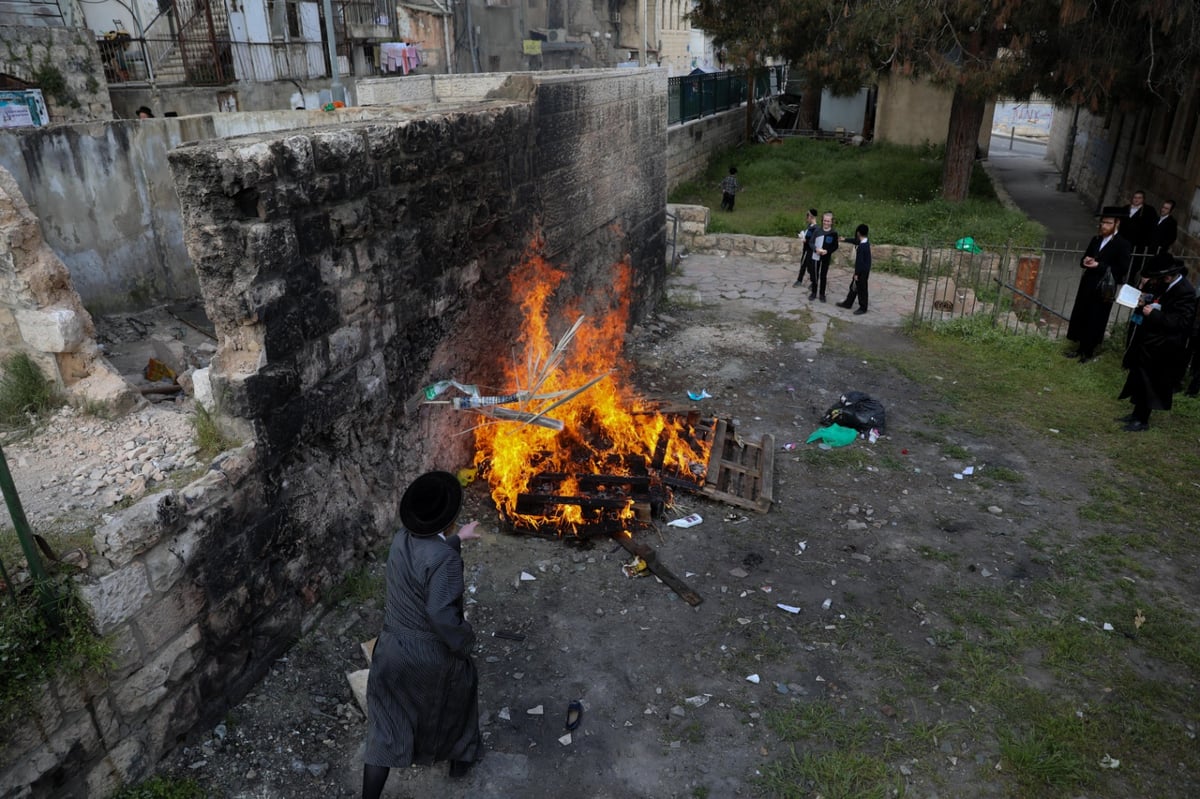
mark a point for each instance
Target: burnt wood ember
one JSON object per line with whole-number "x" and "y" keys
{"x": 647, "y": 554}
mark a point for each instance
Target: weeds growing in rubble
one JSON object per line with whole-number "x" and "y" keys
{"x": 25, "y": 393}
{"x": 31, "y": 650}
{"x": 162, "y": 788}
{"x": 211, "y": 440}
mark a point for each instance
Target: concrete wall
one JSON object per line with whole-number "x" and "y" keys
{"x": 343, "y": 268}
{"x": 692, "y": 145}
{"x": 106, "y": 199}
{"x": 917, "y": 112}
{"x": 64, "y": 63}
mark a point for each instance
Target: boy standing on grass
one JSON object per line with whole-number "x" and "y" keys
{"x": 729, "y": 188}
{"x": 862, "y": 271}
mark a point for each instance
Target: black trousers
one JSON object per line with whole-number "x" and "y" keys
{"x": 858, "y": 290}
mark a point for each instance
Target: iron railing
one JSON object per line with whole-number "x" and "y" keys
{"x": 1022, "y": 289}
{"x": 694, "y": 96}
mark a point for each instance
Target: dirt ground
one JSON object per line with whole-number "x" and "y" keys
{"x": 669, "y": 709}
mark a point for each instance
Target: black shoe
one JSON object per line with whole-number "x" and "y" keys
{"x": 812, "y": 296}
{"x": 1126, "y": 419}
{"x": 1136, "y": 427}
{"x": 860, "y": 312}
{"x": 842, "y": 304}
{"x": 574, "y": 714}
{"x": 459, "y": 768}
{"x": 798, "y": 284}
{"x": 1071, "y": 354}
{"x": 822, "y": 298}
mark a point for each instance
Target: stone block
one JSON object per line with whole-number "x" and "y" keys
{"x": 358, "y": 687}
{"x": 144, "y": 688}
{"x": 51, "y": 330}
{"x": 140, "y": 527}
{"x": 162, "y": 620}
{"x": 167, "y": 559}
{"x": 202, "y": 389}
{"x": 116, "y": 597}
{"x": 345, "y": 347}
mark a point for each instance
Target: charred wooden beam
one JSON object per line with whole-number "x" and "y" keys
{"x": 587, "y": 503}
{"x": 647, "y": 553}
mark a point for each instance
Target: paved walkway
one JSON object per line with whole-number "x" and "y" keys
{"x": 707, "y": 278}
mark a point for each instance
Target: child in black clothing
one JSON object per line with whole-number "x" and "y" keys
{"x": 729, "y": 187}
{"x": 862, "y": 271}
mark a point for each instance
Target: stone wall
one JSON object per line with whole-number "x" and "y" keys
{"x": 694, "y": 237}
{"x": 64, "y": 63}
{"x": 692, "y": 145}
{"x": 344, "y": 269}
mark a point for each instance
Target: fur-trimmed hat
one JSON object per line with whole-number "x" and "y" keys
{"x": 431, "y": 503}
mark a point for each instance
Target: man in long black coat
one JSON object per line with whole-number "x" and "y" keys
{"x": 1137, "y": 228}
{"x": 422, "y": 693}
{"x": 1166, "y": 229}
{"x": 1155, "y": 357}
{"x": 1107, "y": 251}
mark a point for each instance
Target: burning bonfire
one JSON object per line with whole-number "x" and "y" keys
{"x": 567, "y": 447}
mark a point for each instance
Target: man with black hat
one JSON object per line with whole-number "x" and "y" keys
{"x": 1107, "y": 253}
{"x": 806, "y": 264}
{"x": 1155, "y": 356}
{"x": 422, "y": 693}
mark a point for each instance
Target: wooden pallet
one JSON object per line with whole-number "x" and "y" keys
{"x": 740, "y": 473}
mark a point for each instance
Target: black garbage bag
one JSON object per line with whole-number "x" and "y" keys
{"x": 858, "y": 410}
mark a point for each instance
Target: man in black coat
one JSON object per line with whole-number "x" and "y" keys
{"x": 1137, "y": 227}
{"x": 1109, "y": 252}
{"x": 1155, "y": 357}
{"x": 1165, "y": 230}
{"x": 824, "y": 245}
{"x": 806, "y": 262}
{"x": 862, "y": 271}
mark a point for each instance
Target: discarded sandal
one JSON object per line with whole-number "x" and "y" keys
{"x": 574, "y": 714}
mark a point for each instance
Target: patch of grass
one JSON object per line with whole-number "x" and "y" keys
{"x": 211, "y": 440}
{"x": 162, "y": 788}
{"x": 24, "y": 392}
{"x": 894, "y": 189}
{"x": 62, "y": 536}
{"x": 831, "y": 775}
{"x": 789, "y": 330}
{"x": 360, "y": 586}
{"x": 31, "y": 649}
{"x": 929, "y": 553}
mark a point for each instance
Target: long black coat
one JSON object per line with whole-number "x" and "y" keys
{"x": 1163, "y": 235}
{"x": 1155, "y": 357}
{"x": 1089, "y": 316}
{"x": 422, "y": 693}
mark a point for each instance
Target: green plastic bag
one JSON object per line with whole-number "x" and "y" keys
{"x": 835, "y": 435}
{"x": 967, "y": 244}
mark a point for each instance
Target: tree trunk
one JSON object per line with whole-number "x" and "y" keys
{"x": 810, "y": 104}
{"x": 966, "y": 117}
{"x": 750, "y": 72}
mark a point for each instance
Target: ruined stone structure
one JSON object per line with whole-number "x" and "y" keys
{"x": 344, "y": 269}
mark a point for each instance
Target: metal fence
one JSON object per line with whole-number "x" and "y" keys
{"x": 1022, "y": 289}
{"x": 694, "y": 96}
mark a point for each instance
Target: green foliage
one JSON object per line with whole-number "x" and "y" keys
{"x": 24, "y": 391}
{"x": 360, "y": 586}
{"x": 162, "y": 788}
{"x": 895, "y": 190}
{"x": 211, "y": 440}
{"x": 31, "y": 650}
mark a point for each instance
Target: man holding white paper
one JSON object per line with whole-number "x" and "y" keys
{"x": 1155, "y": 356}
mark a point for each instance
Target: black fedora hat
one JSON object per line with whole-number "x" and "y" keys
{"x": 431, "y": 503}
{"x": 1114, "y": 211}
{"x": 1164, "y": 264}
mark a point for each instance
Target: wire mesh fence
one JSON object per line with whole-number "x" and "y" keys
{"x": 1021, "y": 289}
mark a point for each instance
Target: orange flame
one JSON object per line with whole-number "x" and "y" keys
{"x": 602, "y": 433}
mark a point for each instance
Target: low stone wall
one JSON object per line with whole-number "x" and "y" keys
{"x": 694, "y": 237}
